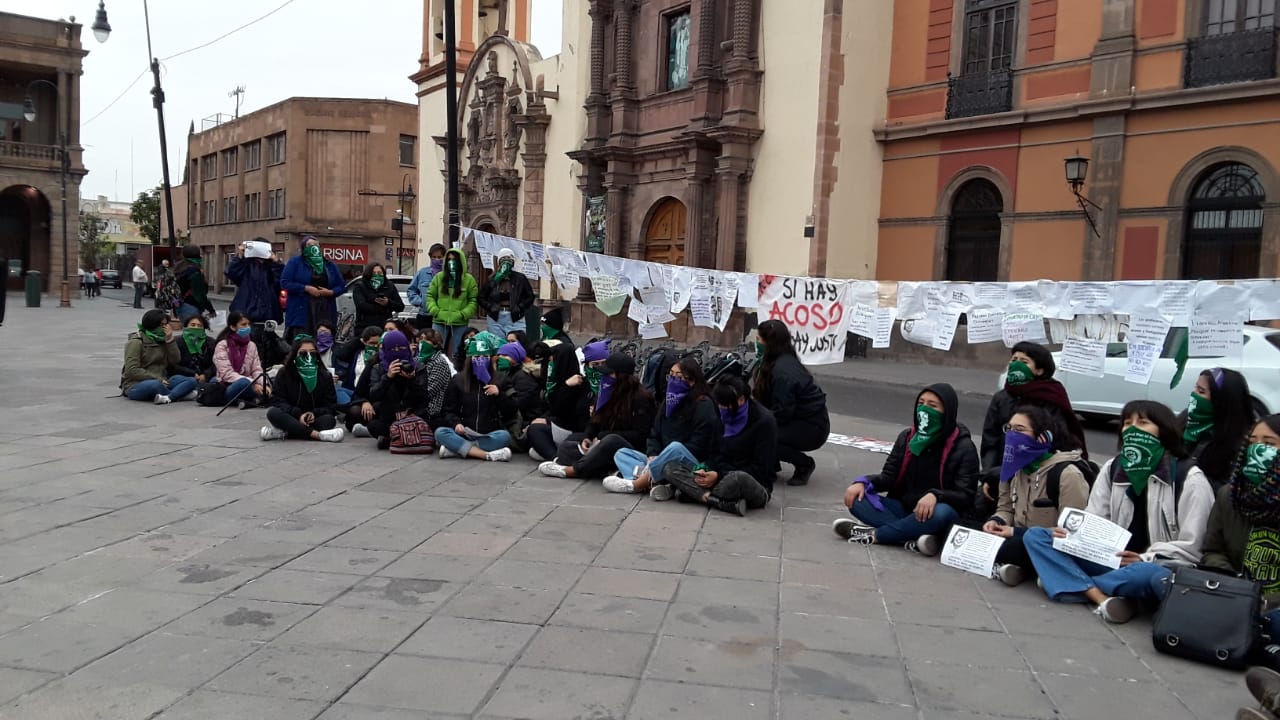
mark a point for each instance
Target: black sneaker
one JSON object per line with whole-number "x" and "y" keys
{"x": 803, "y": 473}
{"x": 735, "y": 507}
{"x": 384, "y": 443}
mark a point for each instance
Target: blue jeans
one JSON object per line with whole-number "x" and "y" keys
{"x": 896, "y": 525}
{"x": 630, "y": 461}
{"x": 186, "y": 311}
{"x": 448, "y": 437}
{"x": 1065, "y": 577}
{"x": 241, "y": 389}
{"x": 180, "y": 386}
{"x": 452, "y": 335}
{"x": 505, "y": 324}
{"x": 344, "y": 395}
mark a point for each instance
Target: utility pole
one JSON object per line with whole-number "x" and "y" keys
{"x": 451, "y": 110}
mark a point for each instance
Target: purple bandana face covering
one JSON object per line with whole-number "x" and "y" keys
{"x": 606, "y": 389}
{"x": 734, "y": 419}
{"x": 324, "y": 341}
{"x": 480, "y": 366}
{"x": 677, "y": 391}
{"x": 395, "y": 347}
{"x": 437, "y": 264}
{"x": 1019, "y": 452}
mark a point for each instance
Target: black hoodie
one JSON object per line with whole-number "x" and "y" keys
{"x": 948, "y": 468}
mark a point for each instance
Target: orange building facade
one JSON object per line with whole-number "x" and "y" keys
{"x": 1176, "y": 103}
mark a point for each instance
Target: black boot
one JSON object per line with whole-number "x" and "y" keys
{"x": 734, "y": 507}
{"x": 803, "y": 472}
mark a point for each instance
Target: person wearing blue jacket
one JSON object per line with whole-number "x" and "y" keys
{"x": 313, "y": 283}
{"x": 417, "y": 292}
{"x": 257, "y": 279}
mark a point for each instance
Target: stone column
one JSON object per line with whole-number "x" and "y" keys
{"x": 706, "y": 38}
{"x": 624, "y": 13}
{"x": 1106, "y": 171}
{"x": 730, "y": 168}
{"x": 615, "y": 241}
{"x": 742, "y": 19}
{"x": 599, "y": 14}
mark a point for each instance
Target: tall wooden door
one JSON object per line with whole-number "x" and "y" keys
{"x": 664, "y": 238}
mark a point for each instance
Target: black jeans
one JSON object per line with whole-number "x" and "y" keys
{"x": 802, "y": 435}
{"x": 138, "y": 290}
{"x": 598, "y": 461}
{"x": 292, "y": 425}
{"x": 731, "y": 487}
{"x": 540, "y": 437}
{"x": 1014, "y": 552}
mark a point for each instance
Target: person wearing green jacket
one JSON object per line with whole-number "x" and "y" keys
{"x": 451, "y": 299}
{"x": 149, "y": 354}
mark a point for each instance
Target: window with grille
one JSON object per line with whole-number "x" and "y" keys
{"x": 1223, "y": 17}
{"x": 990, "y": 28}
{"x": 1224, "y": 224}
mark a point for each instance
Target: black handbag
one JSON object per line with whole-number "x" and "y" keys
{"x": 1209, "y": 617}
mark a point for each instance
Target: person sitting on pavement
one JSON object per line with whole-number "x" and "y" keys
{"x": 325, "y": 335}
{"x": 417, "y": 292}
{"x": 927, "y": 481}
{"x": 477, "y": 408}
{"x": 459, "y": 356}
{"x": 192, "y": 284}
{"x": 1264, "y": 684}
{"x": 313, "y": 284}
{"x": 1153, "y": 490}
{"x": 235, "y": 357}
{"x": 552, "y": 327}
{"x": 149, "y": 353}
{"x": 195, "y": 351}
{"x": 304, "y": 405}
{"x": 1216, "y": 423}
{"x": 1040, "y": 477}
{"x": 570, "y": 395}
{"x": 787, "y": 389}
{"x": 256, "y": 274}
{"x": 687, "y": 428}
{"x": 376, "y": 299}
{"x": 509, "y": 363}
{"x": 740, "y": 473}
{"x": 507, "y": 296}
{"x": 623, "y": 415}
{"x": 353, "y": 359}
{"x": 1029, "y": 381}
{"x": 434, "y": 370}
{"x": 451, "y": 299}
{"x": 394, "y": 389}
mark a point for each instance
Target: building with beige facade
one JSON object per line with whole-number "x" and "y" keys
{"x": 728, "y": 134}
{"x": 40, "y": 59}
{"x": 307, "y": 166}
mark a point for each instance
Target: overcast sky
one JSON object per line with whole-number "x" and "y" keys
{"x": 309, "y": 47}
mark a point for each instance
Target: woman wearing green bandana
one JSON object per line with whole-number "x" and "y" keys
{"x": 1153, "y": 490}
{"x": 312, "y": 284}
{"x": 507, "y": 296}
{"x": 451, "y": 299}
{"x": 304, "y": 405}
{"x": 377, "y": 300}
{"x": 195, "y": 351}
{"x": 1218, "y": 416}
{"x": 149, "y": 354}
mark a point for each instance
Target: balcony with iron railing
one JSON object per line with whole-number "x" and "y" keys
{"x": 1245, "y": 56}
{"x": 979, "y": 93}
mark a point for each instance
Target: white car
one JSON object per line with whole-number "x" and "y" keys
{"x": 1103, "y": 398}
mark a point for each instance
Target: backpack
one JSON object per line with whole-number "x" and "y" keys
{"x": 411, "y": 435}
{"x": 168, "y": 294}
{"x": 1053, "y": 486}
{"x": 656, "y": 368}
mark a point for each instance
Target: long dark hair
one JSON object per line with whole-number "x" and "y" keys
{"x": 1043, "y": 421}
{"x": 1039, "y": 355}
{"x": 617, "y": 412}
{"x": 453, "y": 282}
{"x": 368, "y": 270}
{"x": 1233, "y": 419}
{"x": 289, "y": 360}
{"x": 566, "y": 359}
{"x": 460, "y": 355}
{"x": 693, "y": 375}
{"x": 777, "y": 344}
{"x": 1169, "y": 432}
{"x": 233, "y": 319}
{"x": 729, "y": 390}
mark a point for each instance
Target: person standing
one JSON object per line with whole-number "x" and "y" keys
{"x": 192, "y": 284}
{"x": 507, "y": 296}
{"x": 256, "y": 275}
{"x": 376, "y": 300}
{"x": 451, "y": 299}
{"x": 313, "y": 284}
{"x": 90, "y": 283}
{"x": 787, "y": 389}
{"x": 417, "y": 291}
{"x": 139, "y": 284}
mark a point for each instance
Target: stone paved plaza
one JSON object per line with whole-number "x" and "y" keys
{"x": 158, "y": 562}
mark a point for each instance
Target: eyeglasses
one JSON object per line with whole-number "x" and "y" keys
{"x": 1017, "y": 428}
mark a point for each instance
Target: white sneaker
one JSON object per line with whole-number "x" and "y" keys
{"x": 361, "y": 431}
{"x": 537, "y": 457}
{"x": 1010, "y": 574}
{"x": 927, "y": 545}
{"x": 162, "y": 400}
{"x": 661, "y": 493}
{"x": 334, "y": 435}
{"x": 551, "y": 469}
{"x": 499, "y": 455}
{"x": 615, "y": 483}
{"x": 445, "y": 452}
{"x": 1116, "y": 610}
{"x": 271, "y": 432}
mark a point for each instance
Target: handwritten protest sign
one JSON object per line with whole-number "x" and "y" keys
{"x": 815, "y": 310}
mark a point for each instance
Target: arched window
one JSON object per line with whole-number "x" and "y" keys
{"x": 973, "y": 238}
{"x": 1224, "y": 224}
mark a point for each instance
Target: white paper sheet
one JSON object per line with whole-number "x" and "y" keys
{"x": 1090, "y": 537}
{"x": 1148, "y": 327}
{"x": 1264, "y": 299}
{"x": 638, "y": 311}
{"x": 911, "y": 300}
{"x": 1090, "y": 298}
{"x": 1021, "y": 326}
{"x": 945, "y": 329}
{"x": 748, "y": 291}
{"x": 971, "y": 550}
{"x": 1141, "y": 362}
{"x": 884, "y": 327}
{"x": 653, "y": 331}
{"x": 681, "y": 287}
{"x": 1215, "y": 337}
{"x": 919, "y": 332}
{"x": 863, "y": 320}
{"x": 1083, "y": 357}
{"x": 985, "y": 325}
{"x": 815, "y": 310}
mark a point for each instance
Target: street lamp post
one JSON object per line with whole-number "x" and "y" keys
{"x": 1077, "y": 169}
{"x": 405, "y": 197}
{"x": 101, "y": 29}
{"x": 64, "y": 168}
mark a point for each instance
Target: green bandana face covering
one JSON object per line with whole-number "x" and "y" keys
{"x": 548, "y": 332}
{"x": 156, "y": 336}
{"x": 314, "y": 258}
{"x": 551, "y": 373}
{"x": 1257, "y": 462}
{"x": 195, "y": 339}
{"x": 759, "y": 349}
{"x": 504, "y": 269}
{"x": 1199, "y": 418}
{"x": 1140, "y": 454}
{"x": 1019, "y": 373}
{"x": 928, "y": 429}
{"x": 593, "y": 379}
{"x": 426, "y": 351}
{"x": 505, "y": 364}
{"x": 370, "y": 352}
{"x": 376, "y": 281}
{"x": 308, "y": 370}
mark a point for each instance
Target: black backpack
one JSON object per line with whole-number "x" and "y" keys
{"x": 656, "y": 368}
{"x": 1053, "y": 483}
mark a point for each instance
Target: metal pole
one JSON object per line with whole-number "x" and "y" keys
{"x": 157, "y": 94}
{"x": 65, "y": 300}
{"x": 451, "y": 110}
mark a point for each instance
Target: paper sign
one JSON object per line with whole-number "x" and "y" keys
{"x": 884, "y": 327}
{"x": 971, "y": 550}
{"x": 748, "y": 291}
{"x": 1090, "y": 537}
{"x": 945, "y": 330}
{"x": 638, "y": 311}
{"x": 1176, "y": 298}
{"x": 863, "y": 321}
{"x": 1090, "y": 298}
{"x": 1021, "y": 326}
{"x": 700, "y": 310}
{"x": 814, "y": 309}
{"x": 1024, "y": 297}
{"x": 1084, "y": 357}
{"x": 652, "y": 331}
{"x": 920, "y": 332}
{"x": 1148, "y": 328}
{"x": 1215, "y": 337}
{"x": 985, "y": 325}
{"x": 609, "y": 297}
{"x": 1141, "y": 363}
